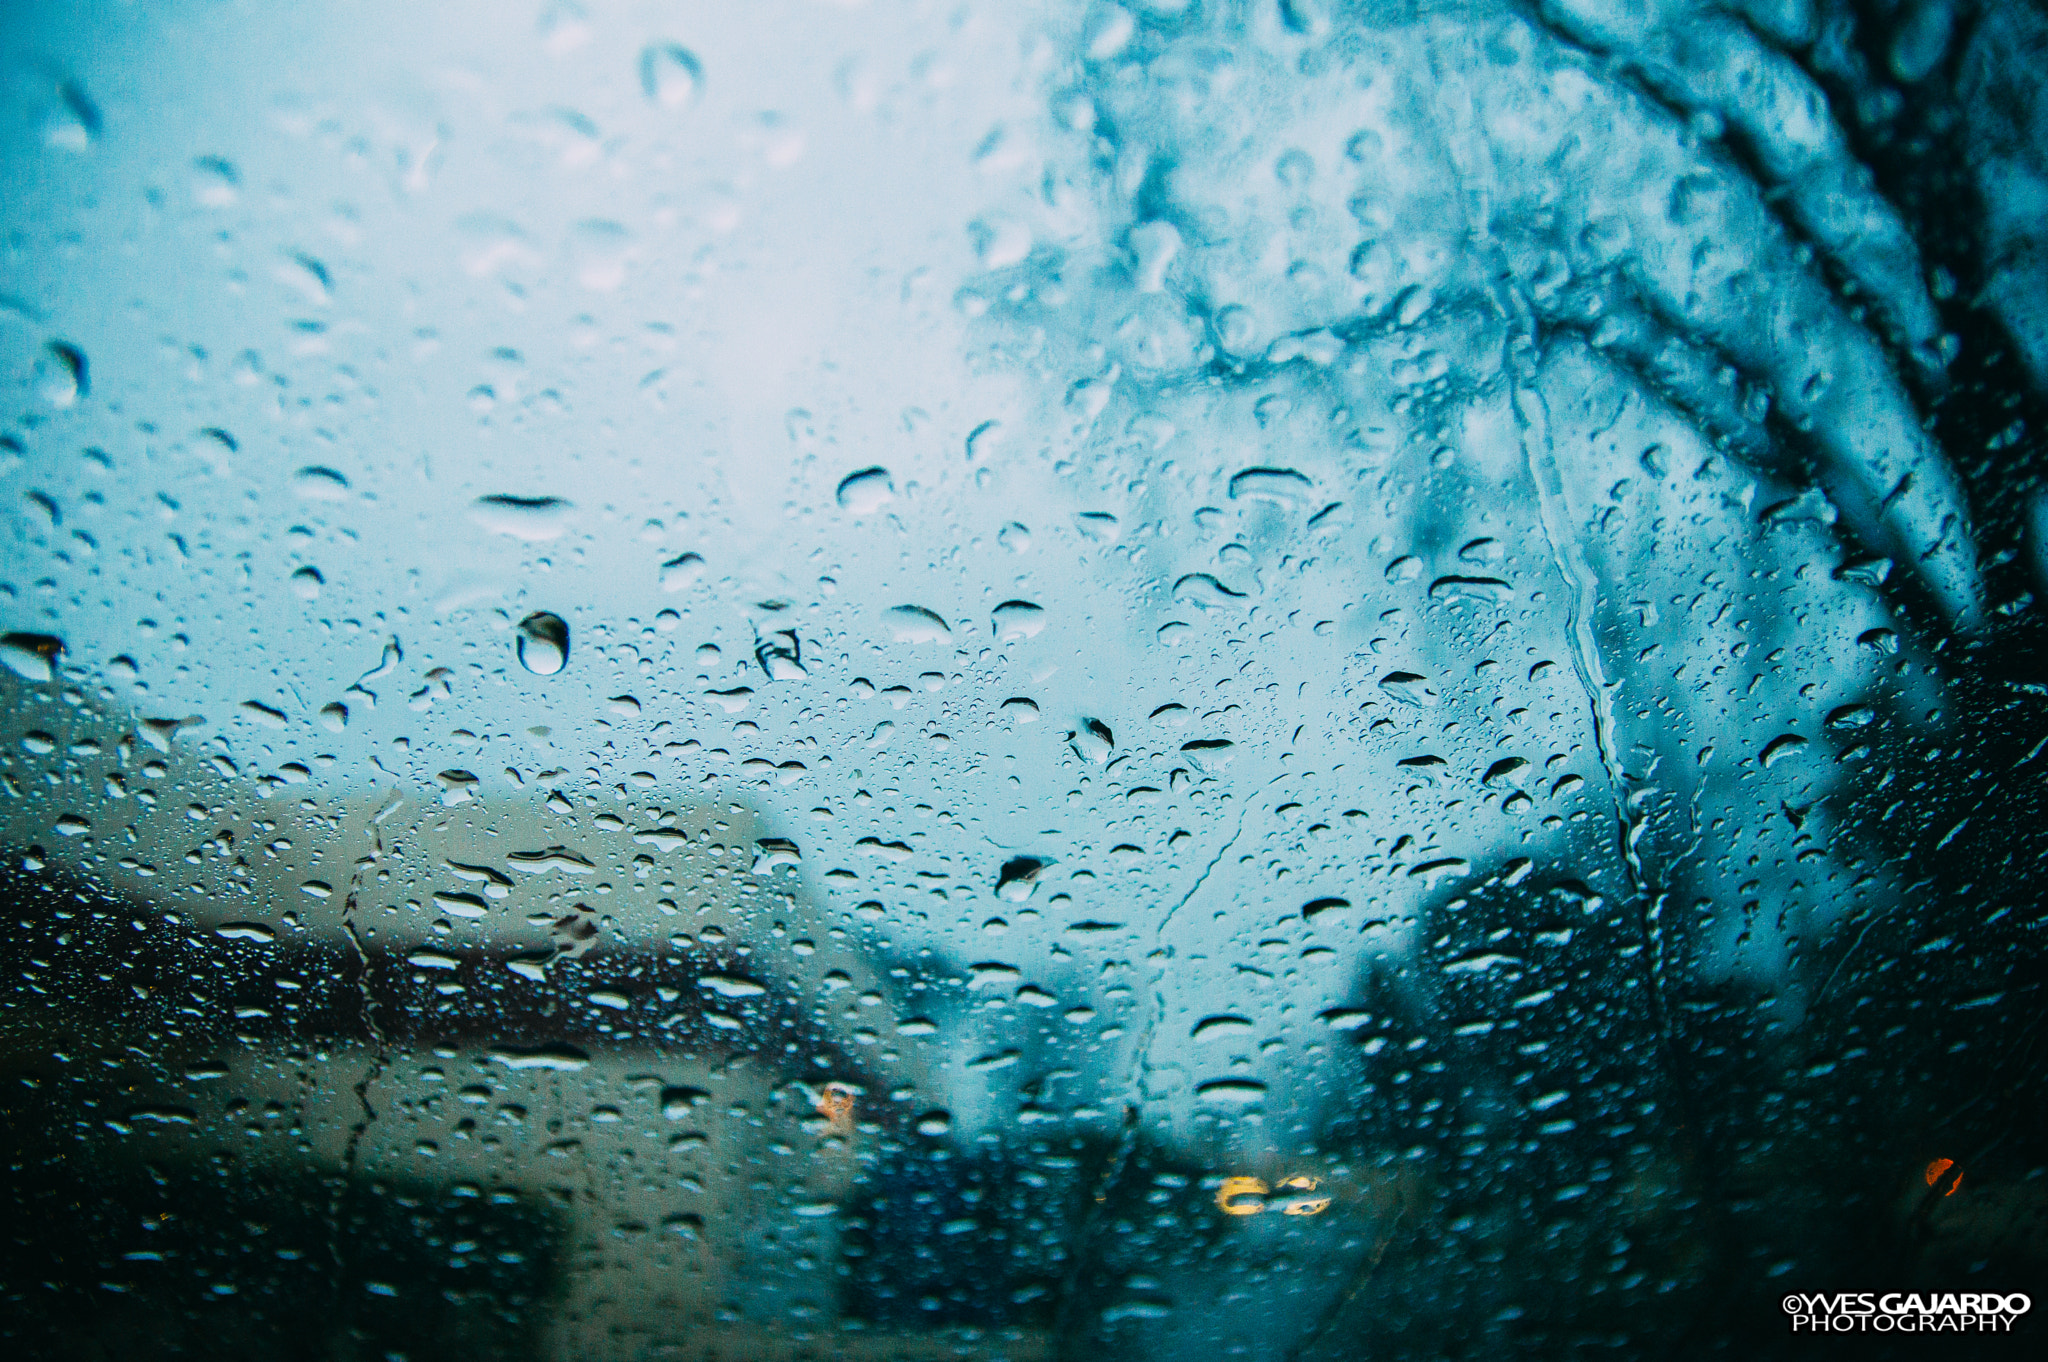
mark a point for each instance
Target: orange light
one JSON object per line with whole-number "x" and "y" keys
{"x": 835, "y": 1104}
{"x": 1935, "y": 1171}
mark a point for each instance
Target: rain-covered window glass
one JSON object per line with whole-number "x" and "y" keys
{"x": 935, "y": 678}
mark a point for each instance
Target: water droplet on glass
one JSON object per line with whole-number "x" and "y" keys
{"x": 1484, "y": 590}
{"x": 543, "y": 643}
{"x": 1015, "y": 536}
{"x": 1320, "y": 909}
{"x": 934, "y": 1123}
{"x": 74, "y": 125}
{"x": 215, "y": 182}
{"x": 731, "y": 986}
{"x": 1155, "y": 245}
{"x": 1237, "y": 330}
{"x": 1209, "y": 754}
{"x": 1000, "y": 242}
{"x": 62, "y": 377}
{"x": 306, "y": 583}
{"x": 1442, "y": 868}
{"x": 245, "y": 931}
{"x": 1092, "y": 741}
{"x": 266, "y": 715}
{"x": 32, "y": 657}
{"x": 1282, "y": 486}
{"x": 1221, "y": 1027}
{"x": 1231, "y": 1092}
{"x": 1098, "y": 526}
{"x": 779, "y": 656}
{"x": 736, "y": 698}
{"x": 670, "y": 75}
{"x": 563, "y": 1058}
{"x": 1018, "y": 619}
{"x": 1202, "y": 590}
{"x": 1783, "y": 746}
{"x": 1409, "y": 688}
{"x": 867, "y": 491}
{"x": 532, "y": 519}
{"x": 1869, "y": 571}
{"x": 983, "y": 439}
{"x": 1018, "y": 878}
{"x": 676, "y": 1102}
{"x": 457, "y": 787}
{"x": 319, "y": 484}
{"x": 915, "y": 624}
{"x": 1414, "y": 304}
{"x": 681, "y": 572}
{"x": 1508, "y": 771}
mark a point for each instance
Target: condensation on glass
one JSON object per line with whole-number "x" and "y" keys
{"x": 1277, "y": 679}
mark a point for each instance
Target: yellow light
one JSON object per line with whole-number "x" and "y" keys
{"x": 1299, "y": 1204}
{"x": 1241, "y": 1196}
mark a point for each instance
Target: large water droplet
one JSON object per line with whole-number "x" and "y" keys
{"x": 915, "y": 624}
{"x": 670, "y": 75}
{"x": 677, "y": 1102}
{"x": 730, "y": 986}
{"x": 75, "y": 123}
{"x": 1485, "y": 590}
{"x": 1202, "y": 590}
{"x": 1098, "y": 527}
{"x": 320, "y": 484}
{"x": 1092, "y": 741}
{"x": 1018, "y": 619}
{"x": 1222, "y": 1026}
{"x": 1508, "y": 771}
{"x": 867, "y": 491}
{"x": 533, "y": 519}
{"x": 62, "y": 376}
{"x": 32, "y": 657}
{"x": 215, "y": 182}
{"x": 681, "y": 572}
{"x": 1783, "y": 746}
{"x": 780, "y": 656}
{"x": 1018, "y": 878}
{"x": 1318, "y": 910}
{"x": 543, "y": 643}
{"x": 1231, "y": 1092}
{"x": 1282, "y": 486}
{"x": 1409, "y": 688}
{"x": 565, "y": 1058}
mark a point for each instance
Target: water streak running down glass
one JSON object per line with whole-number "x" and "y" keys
{"x": 1269, "y": 679}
